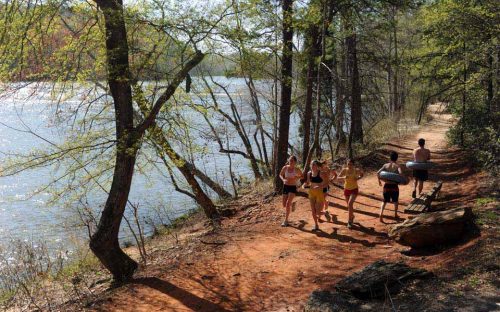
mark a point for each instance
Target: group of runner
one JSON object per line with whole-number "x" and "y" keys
{"x": 320, "y": 176}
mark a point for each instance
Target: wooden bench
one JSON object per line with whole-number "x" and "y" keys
{"x": 423, "y": 202}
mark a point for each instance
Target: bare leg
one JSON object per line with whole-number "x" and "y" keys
{"x": 382, "y": 207}
{"x": 313, "y": 211}
{"x": 352, "y": 199}
{"x": 287, "y": 212}
{"x": 414, "y": 192}
{"x": 420, "y": 187}
{"x": 319, "y": 207}
{"x": 325, "y": 204}
{"x": 319, "y": 210}
{"x": 289, "y": 202}
{"x": 347, "y": 197}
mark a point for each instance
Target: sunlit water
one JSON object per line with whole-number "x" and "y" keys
{"x": 27, "y": 217}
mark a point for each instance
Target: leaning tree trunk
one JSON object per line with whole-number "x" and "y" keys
{"x": 184, "y": 167}
{"x": 188, "y": 170}
{"x": 286, "y": 92}
{"x": 104, "y": 242}
{"x": 216, "y": 187}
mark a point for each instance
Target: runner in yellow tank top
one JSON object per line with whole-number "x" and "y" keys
{"x": 351, "y": 179}
{"x": 351, "y": 175}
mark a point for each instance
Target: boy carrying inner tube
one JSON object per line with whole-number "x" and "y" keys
{"x": 420, "y": 154}
{"x": 391, "y": 189}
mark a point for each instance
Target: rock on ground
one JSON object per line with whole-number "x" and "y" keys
{"x": 378, "y": 278}
{"x": 431, "y": 229}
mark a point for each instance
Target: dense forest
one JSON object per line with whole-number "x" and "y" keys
{"x": 354, "y": 72}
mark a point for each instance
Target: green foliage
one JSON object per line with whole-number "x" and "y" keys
{"x": 488, "y": 217}
{"x": 83, "y": 264}
{"x": 461, "y": 69}
{"x": 485, "y": 201}
{"x": 475, "y": 131}
{"x": 6, "y": 296}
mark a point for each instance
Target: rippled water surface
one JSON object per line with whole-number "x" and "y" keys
{"x": 28, "y": 217}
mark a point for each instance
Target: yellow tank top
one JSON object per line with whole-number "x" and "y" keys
{"x": 351, "y": 183}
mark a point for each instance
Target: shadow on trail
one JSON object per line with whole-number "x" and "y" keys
{"x": 356, "y": 226}
{"x": 371, "y": 214}
{"x": 398, "y": 146}
{"x": 368, "y": 230}
{"x": 188, "y": 299}
{"x": 456, "y": 167}
{"x": 451, "y": 197}
{"x": 334, "y": 235}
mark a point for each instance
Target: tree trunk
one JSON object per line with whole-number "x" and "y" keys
{"x": 341, "y": 93}
{"x": 491, "y": 69}
{"x": 316, "y": 146}
{"x": 356, "y": 112}
{"x": 286, "y": 92}
{"x": 390, "y": 101}
{"x": 216, "y": 187}
{"x": 464, "y": 97}
{"x": 186, "y": 170}
{"x": 312, "y": 39}
{"x": 395, "y": 81}
{"x": 104, "y": 242}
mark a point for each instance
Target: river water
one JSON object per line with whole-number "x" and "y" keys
{"x": 24, "y": 210}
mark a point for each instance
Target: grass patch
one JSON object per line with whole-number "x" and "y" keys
{"x": 85, "y": 264}
{"x": 474, "y": 281}
{"x": 181, "y": 220}
{"x": 487, "y": 217}
{"x": 6, "y": 296}
{"x": 386, "y": 130}
{"x": 485, "y": 201}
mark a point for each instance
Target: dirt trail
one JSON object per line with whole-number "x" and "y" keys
{"x": 253, "y": 264}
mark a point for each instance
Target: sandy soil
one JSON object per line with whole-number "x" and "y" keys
{"x": 253, "y": 264}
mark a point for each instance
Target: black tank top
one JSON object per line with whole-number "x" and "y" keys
{"x": 316, "y": 179}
